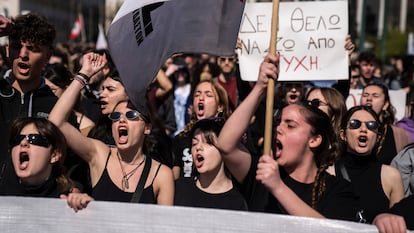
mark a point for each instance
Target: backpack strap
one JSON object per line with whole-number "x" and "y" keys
{"x": 140, "y": 187}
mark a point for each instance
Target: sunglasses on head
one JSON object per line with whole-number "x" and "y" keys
{"x": 33, "y": 139}
{"x": 356, "y": 124}
{"x": 316, "y": 103}
{"x": 230, "y": 59}
{"x": 130, "y": 115}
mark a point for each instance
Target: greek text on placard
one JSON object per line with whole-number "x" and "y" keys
{"x": 300, "y": 22}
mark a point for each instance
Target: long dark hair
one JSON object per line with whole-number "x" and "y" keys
{"x": 326, "y": 153}
{"x": 56, "y": 140}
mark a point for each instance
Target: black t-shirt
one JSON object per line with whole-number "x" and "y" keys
{"x": 188, "y": 194}
{"x": 182, "y": 155}
{"x": 339, "y": 201}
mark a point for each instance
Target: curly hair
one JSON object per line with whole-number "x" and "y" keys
{"x": 34, "y": 29}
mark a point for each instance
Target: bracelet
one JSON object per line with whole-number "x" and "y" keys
{"x": 80, "y": 79}
{"x": 86, "y": 77}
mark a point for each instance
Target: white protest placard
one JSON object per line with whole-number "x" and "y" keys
{"x": 397, "y": 98}
{"x": 311, "y": 39}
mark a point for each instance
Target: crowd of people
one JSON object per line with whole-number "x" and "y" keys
{"x": 196, "y": 139}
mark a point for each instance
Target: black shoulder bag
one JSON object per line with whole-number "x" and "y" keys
{"x": 140, "y": 187}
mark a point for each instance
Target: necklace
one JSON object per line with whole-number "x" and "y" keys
{"x": 126, "y": 176}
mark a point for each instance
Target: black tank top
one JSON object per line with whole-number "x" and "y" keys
{"x": 106, "y": 190}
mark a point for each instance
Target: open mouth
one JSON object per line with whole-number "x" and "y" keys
{"x": 23, "y": 67}
{"x": 200, "y": 158}
{"x": 362, "y": 139}
{"x": 24, "y": 160}
{"x": 24, "y": 157}
{"x": 278, "y": 145}
{"x": 200, "y": 110}
{"x": 122, "y": 135}
{"x": 293, "y": 97}
{"x": 201, "y": 107}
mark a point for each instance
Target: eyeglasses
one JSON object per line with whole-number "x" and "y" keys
{"x": 356, "y": 124}
{"x": 355, "y": 76}
{"x": 130, "y": 115}
{"x": 34, "y": 139}
{"x": 230, "y": 59}
{"x": 316, "y": 103}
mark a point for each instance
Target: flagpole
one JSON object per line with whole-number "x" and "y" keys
{"x": 271, "y": 83}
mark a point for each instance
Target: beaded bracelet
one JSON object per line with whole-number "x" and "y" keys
{"x": 80, "y": 79}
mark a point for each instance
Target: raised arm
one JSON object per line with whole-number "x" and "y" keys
{"x": 235, "y": 155}
{"x": 6, "y": 26}
{"x": 81, "y": 145}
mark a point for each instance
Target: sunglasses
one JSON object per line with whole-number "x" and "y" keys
{"x": 130, "y": 115}
{"x": 316, "y": 103}
{"x": 33, "y": 139}
{"x": 356, "y": 124}
{"x": 230, "y": 59}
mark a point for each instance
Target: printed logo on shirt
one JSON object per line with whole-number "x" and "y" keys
{"x": 42, "y": 115}
{"x": 188, "y": 162}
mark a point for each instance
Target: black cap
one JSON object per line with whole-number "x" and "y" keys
{"x": 213, "y": 123}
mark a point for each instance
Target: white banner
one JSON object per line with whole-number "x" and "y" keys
{"x": 311, "y": 39}
{"x": 19, "y": 214}
{"x": 398, "y": 99}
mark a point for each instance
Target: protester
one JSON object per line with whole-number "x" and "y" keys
{"x": 112, "y": 92}
{"x": 115, "y": 171}
{"x": 182, "y": 91}
{"x": 212, "y": 187}
{"x": 393, "y": 138}
{"x": 38, "y": 150}
{"x": 209, "y": 100}
{"x": 379, "y": 186}
{"x": 368, "y": 62}
{"x": 24, "y": 93}
{"x": 304, "y": 147}
{"x": 330, "y": 101}
{"x": 229, "y": 79}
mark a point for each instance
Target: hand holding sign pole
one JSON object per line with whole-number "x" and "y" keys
{"x": 271, "y": 83}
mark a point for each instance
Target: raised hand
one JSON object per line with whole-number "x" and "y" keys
{"x": 92, "y": 63}
{"x": 6, "y": 25}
